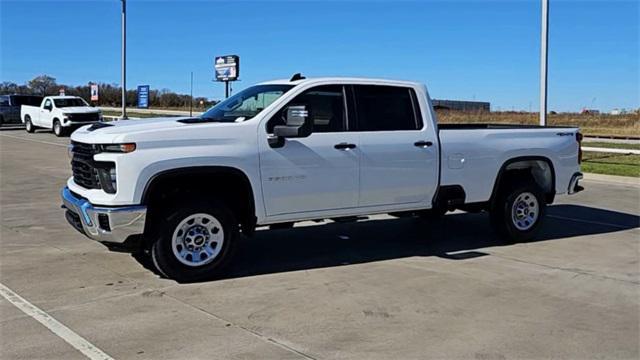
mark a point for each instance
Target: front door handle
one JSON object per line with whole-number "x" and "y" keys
{"x": 422, "y": 143}
{"x": 344, "y": 146}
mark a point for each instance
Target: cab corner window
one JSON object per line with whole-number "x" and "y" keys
{"x": 325, "y": 105}
{"x": 386, "y": 108}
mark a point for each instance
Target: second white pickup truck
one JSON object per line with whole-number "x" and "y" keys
{"x": 62, "y": 114}
{"x": 301, "y": 149}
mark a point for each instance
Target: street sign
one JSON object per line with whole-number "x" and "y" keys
{"x": 143, "y": 96}
{"x": 94, "y": 92}
{"x": 227, "y": 67}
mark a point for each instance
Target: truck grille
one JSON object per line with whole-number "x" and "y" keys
{"x": 83, "y": 167}
{"x": 88, "y": 117}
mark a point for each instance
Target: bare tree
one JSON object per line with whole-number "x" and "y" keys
{"x": 42, "y": 84}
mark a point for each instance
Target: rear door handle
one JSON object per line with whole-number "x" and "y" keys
{"x": 344, "y": 146}
{"x": 422, "y": 143}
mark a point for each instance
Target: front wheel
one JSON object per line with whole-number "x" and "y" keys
{"x": 518, "y": 212}
{"x": 196, "y": 242}
{"x": 58, "y": 130}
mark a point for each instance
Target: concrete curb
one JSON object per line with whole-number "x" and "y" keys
{"x": 627, "y": 180}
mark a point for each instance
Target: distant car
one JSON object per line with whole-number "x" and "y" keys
{"x": 10, "y": 107}
{"x": 62, "y": 114}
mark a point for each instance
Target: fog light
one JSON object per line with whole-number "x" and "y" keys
{"x": 107, "y": 176}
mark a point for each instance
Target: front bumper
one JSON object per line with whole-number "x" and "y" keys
{"x": 110, "y": 224}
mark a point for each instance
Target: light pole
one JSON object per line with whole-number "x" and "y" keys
{"x": 124, "y": 59}
{"x": 191, "y": 97}
{"x": 544, "y": 60}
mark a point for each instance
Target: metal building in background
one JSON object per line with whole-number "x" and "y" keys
{"x": 458, "y": 105}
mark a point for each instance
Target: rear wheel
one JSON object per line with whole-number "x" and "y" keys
{"x": 518, "y": 212}
{"x": 28, "y": 125}
{"x": 196, "y": 242}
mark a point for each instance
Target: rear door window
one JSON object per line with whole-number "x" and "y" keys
{"x": 4, "y": 101}
{"x": 386, "y": 108}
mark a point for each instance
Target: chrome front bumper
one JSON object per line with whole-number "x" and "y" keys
{"x": 111, "y": 224}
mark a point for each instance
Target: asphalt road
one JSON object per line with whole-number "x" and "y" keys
{"x": 381, "y": 289}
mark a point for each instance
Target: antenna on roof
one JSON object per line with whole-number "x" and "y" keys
{"x": 297, "y": 76}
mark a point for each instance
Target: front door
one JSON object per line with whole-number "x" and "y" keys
{"x": 316, "y": 173}
{"x": 44, "y": 118}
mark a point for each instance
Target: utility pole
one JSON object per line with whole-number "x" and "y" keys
{"x": 191, "y": 97}
{"x": 544, "y": 60}
{"x": 124, "y": 59}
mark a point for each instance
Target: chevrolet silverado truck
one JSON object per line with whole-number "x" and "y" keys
{"x": 305, "y": 149}
{"x": 62, "y": 114}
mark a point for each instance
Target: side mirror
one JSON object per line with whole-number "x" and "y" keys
{"x": 48, "y": 107}
{"x": 298, "y": 123}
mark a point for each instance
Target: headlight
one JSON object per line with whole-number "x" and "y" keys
{"x": 67, "y": 116}
{"x": 118, "y": 148}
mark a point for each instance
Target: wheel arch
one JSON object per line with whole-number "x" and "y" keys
{"x": 541, "y": 170}
{"x": 244, "y": 205}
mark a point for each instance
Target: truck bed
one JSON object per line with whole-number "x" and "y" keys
{"x": 478, "y": 126}
{"x": 472, "y": 154}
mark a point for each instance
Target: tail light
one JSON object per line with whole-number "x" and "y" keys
{"x": 579, "y": 140}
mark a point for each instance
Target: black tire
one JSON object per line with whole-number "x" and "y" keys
{"x": 58, "y": 130}
{"x": 169, "y": 264}
{"x": 509, "y": 220}
{"x": 28, "y": 125}
{"x": 281, "y": 226}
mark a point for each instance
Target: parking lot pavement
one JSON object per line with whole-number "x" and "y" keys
{"x": 388, "y": 288}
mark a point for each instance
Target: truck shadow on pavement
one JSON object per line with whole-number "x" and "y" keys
{"x": 455, "y": 237}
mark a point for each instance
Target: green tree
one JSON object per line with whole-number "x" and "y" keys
{"x": 43, "y": 84}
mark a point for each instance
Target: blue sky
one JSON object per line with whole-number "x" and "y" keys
{"x": 469, "y": 50}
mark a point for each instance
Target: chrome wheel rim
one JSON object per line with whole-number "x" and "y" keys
{"x": 525, "y": 211}
{"x": 56, "y": 128}
{"x": 28, "y": 125}
{"x": 197, "y": 240}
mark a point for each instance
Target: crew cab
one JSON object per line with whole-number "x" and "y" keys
{"x": 305, "y": 149}
{"x": 62, "y": 114}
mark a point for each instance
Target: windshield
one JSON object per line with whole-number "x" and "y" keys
{"x": 61, "y": 103}
{"x": 245, "y": 104}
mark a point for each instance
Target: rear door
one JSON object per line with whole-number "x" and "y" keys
{"x": 316, "y": 173}
{"x": 398, "y": 151}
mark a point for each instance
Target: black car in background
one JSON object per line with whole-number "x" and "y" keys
{"x": 10, "y": 107}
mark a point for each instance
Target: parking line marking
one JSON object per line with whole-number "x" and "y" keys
{"x": 63, "y": 332}
{"x": 33, "y": 140}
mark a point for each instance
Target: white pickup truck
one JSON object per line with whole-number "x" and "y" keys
{"x": 62, "y": 114}
{"x": 302, "y": 149}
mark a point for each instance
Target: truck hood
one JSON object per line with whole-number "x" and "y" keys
{"x": 146, "y": 130}
{"x": 79, "y": 110}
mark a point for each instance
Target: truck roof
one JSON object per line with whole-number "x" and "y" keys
{"x": 356, "y": 80}
{"x": 63, "y": 97}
